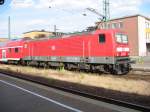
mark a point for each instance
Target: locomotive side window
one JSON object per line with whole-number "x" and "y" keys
{"x": 16, "y": 50}
{"x": 102, "y": 38}
{"x": 9, "y": 50}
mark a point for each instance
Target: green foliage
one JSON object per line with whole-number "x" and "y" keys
{"x": 140, "y": 60}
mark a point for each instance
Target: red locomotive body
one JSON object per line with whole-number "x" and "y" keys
{"x": 100, "y": 50}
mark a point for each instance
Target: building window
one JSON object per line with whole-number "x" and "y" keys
{"x": 114, "y": 25}
{"x": 41, "y": 35}
{"x": 102, "y": 38}
{"x": 105, "y": 25}
{"x": 120, "y": 24}
{"x": 108, "y": 26}
{"x": 147, "y": 25}
{"x": 16, "y": 50}
{"x": 101, "y": 26}
{"x": 147, "y": 35}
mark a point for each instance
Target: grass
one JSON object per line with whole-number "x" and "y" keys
{"x": 139, "y": 87}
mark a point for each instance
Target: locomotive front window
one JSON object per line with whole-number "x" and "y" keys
{"x": 124, "y": 39}
{"x": 121, "y": 38}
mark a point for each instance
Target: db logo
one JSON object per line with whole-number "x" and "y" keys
{"x": 2, "y": 2}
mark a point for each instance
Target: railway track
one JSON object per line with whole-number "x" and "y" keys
{"x": 92, "y": 96}
{"x": 135, "y": 74}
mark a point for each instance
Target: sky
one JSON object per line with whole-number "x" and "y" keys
{"x": 67, "y": 15}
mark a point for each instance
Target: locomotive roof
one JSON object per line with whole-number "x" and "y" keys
{"x": 63, "y": 36}
{"x": 76, "y": 34}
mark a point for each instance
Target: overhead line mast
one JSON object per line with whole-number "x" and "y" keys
{"x": 106, "y": 10}
{"x": 9, "y": 28}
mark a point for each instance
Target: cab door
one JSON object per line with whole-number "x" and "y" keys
{"x": 103, "y": 44}
{"x": 3, "y": 54}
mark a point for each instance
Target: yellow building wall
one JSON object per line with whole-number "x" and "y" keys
{"x": 147, "y": 30}
{"x": 36, "y": 34}
{"x": 3, "y": 39}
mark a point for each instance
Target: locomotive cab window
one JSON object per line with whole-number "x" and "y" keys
{"x": 122, "y": 38}
{"x": 16, "y": 50}
{"x": 102, "y": 38}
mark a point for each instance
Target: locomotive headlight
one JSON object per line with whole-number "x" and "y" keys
{"x": 119, "y": 49}
{"x": 126, "y": 49}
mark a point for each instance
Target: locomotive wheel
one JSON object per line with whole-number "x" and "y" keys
{"x": 120, "y": 69}
{"x": 23, "y": 63}
{"x": 28, "y": 63}
{"x": 69, "y": 67}
{"x": 45, "y": 65}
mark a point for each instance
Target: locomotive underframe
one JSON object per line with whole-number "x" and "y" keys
{"x": 114, "y": 65}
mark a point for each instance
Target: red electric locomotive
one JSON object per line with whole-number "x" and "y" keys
{"x": 100, "y": 50}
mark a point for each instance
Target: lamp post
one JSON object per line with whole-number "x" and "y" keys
{"x": 9, "y": 28}
{"x": 55, "y": 30}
